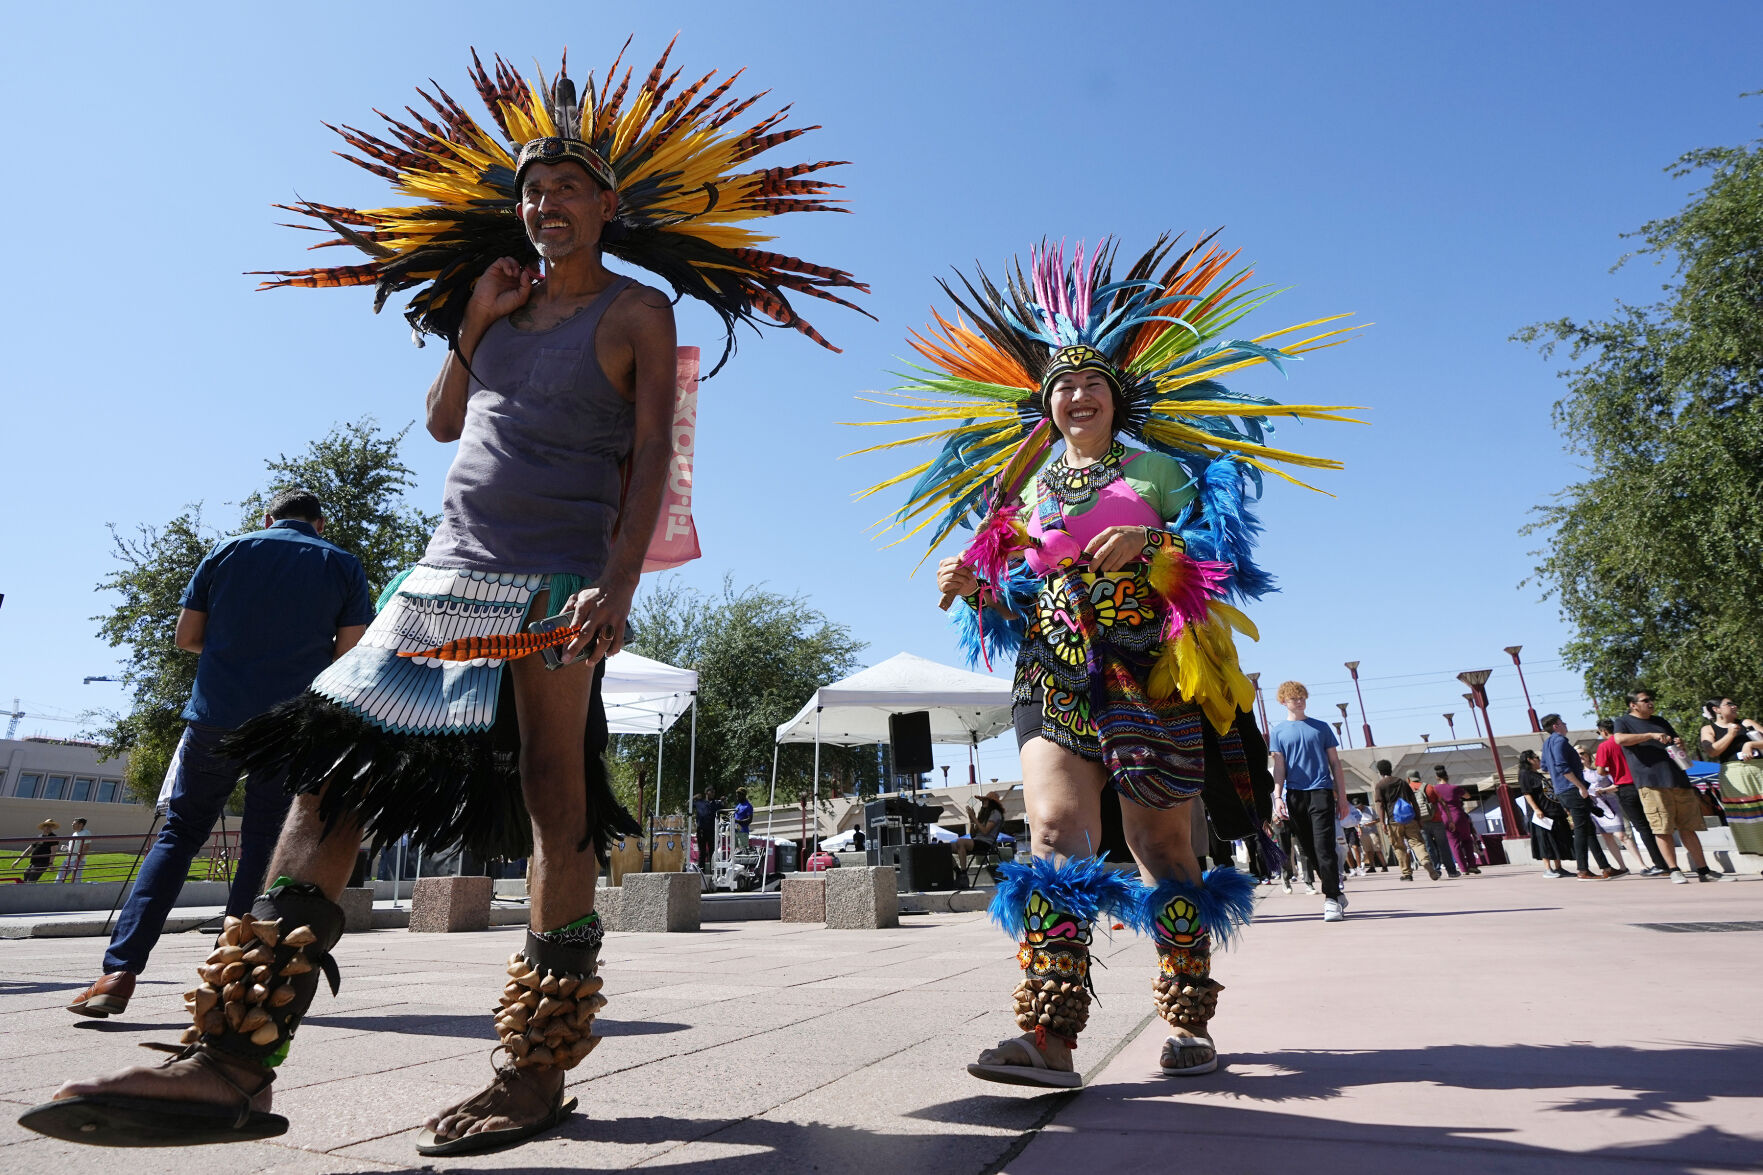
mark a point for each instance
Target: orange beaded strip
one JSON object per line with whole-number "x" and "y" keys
{"x": 501, "y": 647}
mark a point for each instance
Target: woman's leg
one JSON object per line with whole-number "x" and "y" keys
{"x": 1062, "y": 802}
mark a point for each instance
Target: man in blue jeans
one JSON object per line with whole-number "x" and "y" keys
{"x": 265, "y": 611}
{"x": 1567, "y": 771}
{"x": 1310, "y": 792}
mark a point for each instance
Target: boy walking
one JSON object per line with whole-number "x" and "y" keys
{"x": 1310, "y": 790}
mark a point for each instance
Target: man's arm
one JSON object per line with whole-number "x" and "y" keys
{"x": 1340, "y": 783}
{"x": 192, "y": 627}
{"x": 499, "y": 292}
{"x": 348, "y": 637}
{"x": 1279, "y": 784}
{"x": 602, "y": 610}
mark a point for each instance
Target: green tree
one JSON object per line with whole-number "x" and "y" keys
{"x": 1656, "y": 557}
{"x": 356, "y": 472}
{"x": 759, "y": 655}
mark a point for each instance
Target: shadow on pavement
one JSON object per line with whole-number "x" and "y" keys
{"x": 1241, "y": 1117}
{"x": 1658, "y": 1080}
{"x": 1355, "y": 915}
{"x": 473, "y": 1027}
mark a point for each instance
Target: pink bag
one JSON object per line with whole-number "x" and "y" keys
{"x": 675, "y": 541}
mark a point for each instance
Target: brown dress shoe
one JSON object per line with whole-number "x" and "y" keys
{"x": 109, "y": 996}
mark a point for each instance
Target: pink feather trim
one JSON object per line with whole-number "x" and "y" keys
{"x": 1000, "y": 536}
{"x": 1187, "y": 586}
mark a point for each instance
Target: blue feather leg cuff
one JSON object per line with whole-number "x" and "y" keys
{"x": 1083, "y": 888}
{"x": 1222, "y": 904}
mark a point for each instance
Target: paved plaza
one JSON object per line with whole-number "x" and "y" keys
{"x": 1508, "y": 1023}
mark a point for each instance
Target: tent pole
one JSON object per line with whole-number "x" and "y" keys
{"x": 692, "y": 762}
{"x": 771, "y": 804}
{"x": 817, "y": 778}
{"x": 660, "y": 742}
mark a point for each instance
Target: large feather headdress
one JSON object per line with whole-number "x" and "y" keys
{"x": 1159, "y": 330}
{"x": 686, "y": 195}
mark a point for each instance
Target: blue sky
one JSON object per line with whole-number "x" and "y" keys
{"x": 1447, "y": 173}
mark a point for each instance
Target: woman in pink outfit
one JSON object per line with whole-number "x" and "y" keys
{"x": 1458, "y": 828}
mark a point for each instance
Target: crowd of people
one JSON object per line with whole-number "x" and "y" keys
{"x": 1589, "y": 804}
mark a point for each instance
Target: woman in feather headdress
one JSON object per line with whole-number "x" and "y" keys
{"x": 1105, "y": 568}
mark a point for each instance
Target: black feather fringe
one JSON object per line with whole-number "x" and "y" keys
{"x": 439, "y": 789}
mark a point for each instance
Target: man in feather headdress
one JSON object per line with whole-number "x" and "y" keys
{"x": 560, "y": 376}
{"x": 559, "y": 388}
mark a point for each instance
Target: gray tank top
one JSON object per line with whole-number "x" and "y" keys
{"x": 535, "y": 485}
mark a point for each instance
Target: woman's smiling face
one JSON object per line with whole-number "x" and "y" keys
{"x": 1081, "y": 404}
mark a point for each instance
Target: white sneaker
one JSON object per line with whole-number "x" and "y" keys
{"x": 1309, "y": 889}
{"x": 1343, "y": 899}
{"x": 1286, "y": 885}
{"x": 1677, "y": 877}
{"x": 1331, "y": 911}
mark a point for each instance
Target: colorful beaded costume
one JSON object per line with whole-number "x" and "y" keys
{"x": 1136, "y": 669}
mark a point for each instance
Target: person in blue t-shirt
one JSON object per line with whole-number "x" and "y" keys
{"x": 1310, "y": 793}
{"x": 265, "y": 612}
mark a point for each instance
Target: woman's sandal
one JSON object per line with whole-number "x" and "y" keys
{"x": 428, "y": 1143}
{"x": 1173, "y": 1048}
{"x": 1036, "y": 1072}
{"x": 108, "y": 1119}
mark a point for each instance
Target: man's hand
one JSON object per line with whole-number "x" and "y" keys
{"x": 955, "y": 578}
{"x": 501, "y": 290}
{"x": 1340, "y": 805}
{"x": 600, "y": 612}
{"x": 1115, "y": 548}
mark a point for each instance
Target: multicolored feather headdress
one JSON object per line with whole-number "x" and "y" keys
{"x": 685, "y": 199}
{"x": 1158, "y": 332}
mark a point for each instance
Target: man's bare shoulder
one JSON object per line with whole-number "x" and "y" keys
{"x": 638, "y": 303}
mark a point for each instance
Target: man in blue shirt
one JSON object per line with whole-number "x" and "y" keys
{"x": 1567, "y": 771}
{"x": 1310, "y": 790}
{"x": 265, "y": 611}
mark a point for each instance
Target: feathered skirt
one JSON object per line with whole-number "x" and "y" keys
{"x": 420, "y": 747}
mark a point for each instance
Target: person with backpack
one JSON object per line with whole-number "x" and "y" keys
{"x": 1432, "y": 824}
{"x": 1400, "y": 816}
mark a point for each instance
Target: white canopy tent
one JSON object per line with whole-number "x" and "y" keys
{"x": 964, "y": 707}
{"x": 647, "y": 697}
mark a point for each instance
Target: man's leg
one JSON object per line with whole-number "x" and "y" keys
{"x": 226, "y": 1068}
{"x": 553, "y": 708}
{"x": 1440, "y": 845}
{"x": 201, "y": 786}
{"x": 1416, "y": 839}
{"x": 1320, "y": 809}
{"x": 1656, "y": 805}
{"x": 1628, "y": 798}
{"x": 266, "y": 810}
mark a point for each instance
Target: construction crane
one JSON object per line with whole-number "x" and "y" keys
{"x": 15, "y": 714}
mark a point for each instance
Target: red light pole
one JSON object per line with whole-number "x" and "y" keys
{"x": 1473, "y": 715}
{"x": 1260, "y": 704}
{"x": 1364, "y": 723}
{"x": 1342, "y": 707}
{"x": 1450, "y": 722}
{"x": 1338, "y": 732}
{"x": 1426, "y": 738}
{"x": 1476, "y": 680}
{"x": 1512, "y": 651}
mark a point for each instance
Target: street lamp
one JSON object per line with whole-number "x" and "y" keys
{"x": 1450, "y": 721}
{"x": 1512, "y": 651}
{"x": 1364, "y": 723}
{"x": 1473, "y": 715}
{"x": 1426, "y": 738}
{"x": 1337, "y": 731}
{"x": 1477, "y": 681}
{"x": 1342, "y": 707}
{"x": 1260, "y": 704}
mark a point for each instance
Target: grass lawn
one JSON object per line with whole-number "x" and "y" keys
{"x": 113, "y": 867}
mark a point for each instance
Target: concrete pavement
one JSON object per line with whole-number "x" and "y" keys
{"x": 1495, "y": 1024}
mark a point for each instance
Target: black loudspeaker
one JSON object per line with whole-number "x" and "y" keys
{"x": 918, "y": 868}
{"x": 909, "y": 735}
